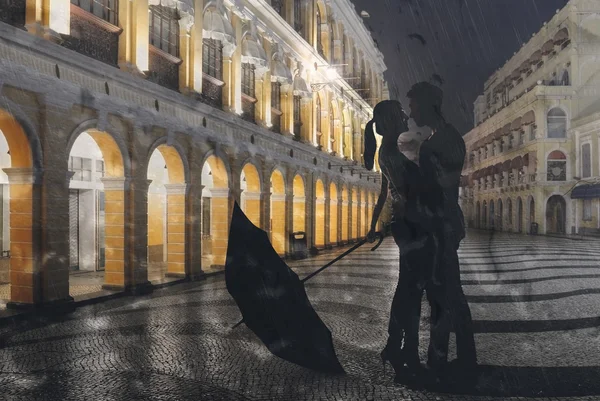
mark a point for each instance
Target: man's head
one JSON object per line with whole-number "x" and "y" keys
{"x": 425, "y": 103}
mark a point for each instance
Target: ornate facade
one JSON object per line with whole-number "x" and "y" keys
{"x": 532, "y": 158}
{"x": 131, "y": 127}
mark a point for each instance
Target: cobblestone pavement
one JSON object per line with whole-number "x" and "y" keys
{"x": 534, "y": 301}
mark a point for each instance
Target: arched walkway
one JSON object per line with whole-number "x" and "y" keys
{"x": 250, "y": 197}
{"x": 166, "y": 213}
{"x": 215, "y": 212}
{"x": 96, "y": 207}
{"x": 509, "y": 214}
{"x": 519, "y": 215}
{"x": 364, "y": 224}
{"x": 299, "y": 211}
{"x": 278, "y": 212}
{"x": 17, "y": 222}
{"x": 492, "y": 216}
{"x": 500, "y": 223}
{"x": 556, "y": 210}
{"x": 345, "y": 214}
{"x": 484, "y": 215}
{"x": 354, "y": 213}
{"x": 531, "y": 214}
{"x": 320, "y": 215}
{"x": 333, "y": 214}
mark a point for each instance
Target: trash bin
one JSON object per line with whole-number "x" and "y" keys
{"x": 534, "y": 229}
{"x": 299, "y": 248}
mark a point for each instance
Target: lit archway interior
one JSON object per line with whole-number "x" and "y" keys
{"x": 166, "y": 214}
{"x": 354, "y": 213}
{"x": 250, "y": 198}
{"x": 345, "y": 212}
{"x": 16, "y": 215}
{"x": 278, "y": 212}
{"x": 320, "y": 215}
{"x": 299, "y": 220}
{"x": 333, "y": 214}
{"x": 215, "y": 212}
{"x": 96, "y": 208}
{"x": 370, "y": 210}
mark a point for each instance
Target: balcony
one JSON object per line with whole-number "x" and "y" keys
{"x": 212, "y": 91}
{"x": 12, "y": 12}
{"x": 164, "y": 68}
{"x": 93, "y": 36}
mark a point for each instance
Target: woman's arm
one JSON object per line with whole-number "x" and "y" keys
{"x": 380, "y": 202}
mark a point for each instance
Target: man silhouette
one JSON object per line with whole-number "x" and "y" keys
{"x": 441, "y": 159}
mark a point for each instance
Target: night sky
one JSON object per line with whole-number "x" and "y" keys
{"x": 466, "y": 41}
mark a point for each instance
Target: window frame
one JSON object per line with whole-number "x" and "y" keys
{"x": 169, "y": 17}
{"x": 212, "y": 58}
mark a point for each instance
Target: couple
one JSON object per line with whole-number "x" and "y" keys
{"x": 427, "y": 226}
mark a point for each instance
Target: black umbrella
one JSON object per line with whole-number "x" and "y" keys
{"x": 273, "y": 301}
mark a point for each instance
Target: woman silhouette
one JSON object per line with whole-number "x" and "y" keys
{"x": 411, "y": 225}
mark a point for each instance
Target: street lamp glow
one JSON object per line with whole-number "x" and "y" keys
{"x": 331, "y": 73}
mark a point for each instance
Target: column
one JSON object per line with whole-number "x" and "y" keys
{"x": 235, "y": 82}
{"x": 134, "y": 40}
{"x": 265, "y": 208}
{"x": 193, "y": 242}
{"x": 327, "y": 208}
{"x": 25, "y": 276}
{"x": 289, "y": 220}
{"x": 136, "y": 234}
{"x": 264, "y": 94}
{"x": 278, "y": 223}
{"x": 308, "y": 129}
{"x": 219, "y": 225}
{"x": 196, "y": 47}
{"x": 54, "y": 228}
{"x": 48, "y": 18}
{"x": 114, "y": 229}
{"x": 185, "y": 52}
{"x": 359, "y": 220}
{"x": 176, "y": 222}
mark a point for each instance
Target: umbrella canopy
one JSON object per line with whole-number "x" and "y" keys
{"x": 273, "y": 301}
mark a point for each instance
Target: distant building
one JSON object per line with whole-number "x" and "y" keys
{"x": 533, "y": 156}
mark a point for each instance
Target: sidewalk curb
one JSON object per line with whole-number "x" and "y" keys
{"x": 88, "y": 299}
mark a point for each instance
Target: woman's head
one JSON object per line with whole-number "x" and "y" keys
{"x": 390, "y": 120}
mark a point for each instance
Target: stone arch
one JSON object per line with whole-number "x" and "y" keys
{"x": 174, "y": 155}
{"x": 484, "y": 216}
{"x": 345, "y": 213}
{"x": 111, "y": 144}
{"x": 355, "y": 208}
{"x": 23, "y": 209}
{"x": 278, "y": 211}
{"x": 23, "y": 140}
{"x": 531, "y": 215}
{"x": 492, "y": 217}
{"x": 105, "y": 202}
{"x": 167, "y": 205}
{"x": 519, "y": 215}
{"x": 477, "y": 215}
{"x": 333, "y": 214}
{"x": 320, "y": 222}
{"x": 509, "y": 214}
{"x": 215, "y": 209}
{"x": 500, "y": 214}
{"x": 556, "y": 214}
{"x": 250, "y": 184}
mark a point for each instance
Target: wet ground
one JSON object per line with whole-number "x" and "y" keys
{"x": 535, "y": 302}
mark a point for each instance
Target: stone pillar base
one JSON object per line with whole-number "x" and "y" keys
{"x": 175, "y": 275}
{"x": 141, "y": 288}
{"x": 60, "y": 306}
{"x": 197, "y": 276}
{"x": 132, "y": 69}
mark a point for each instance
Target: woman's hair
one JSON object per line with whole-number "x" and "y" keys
{"x": 387, "y": 113}
{"x": 370, "y": 146}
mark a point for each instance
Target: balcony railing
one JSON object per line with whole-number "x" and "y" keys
{"x": 13, "y": 12}
{"x": 276, "y": 120}
{"x": 212, "y": 91}
{"x": 93, "y": 37}
{"x": 248, "y": 108}
{"x": 164, "y": 68}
